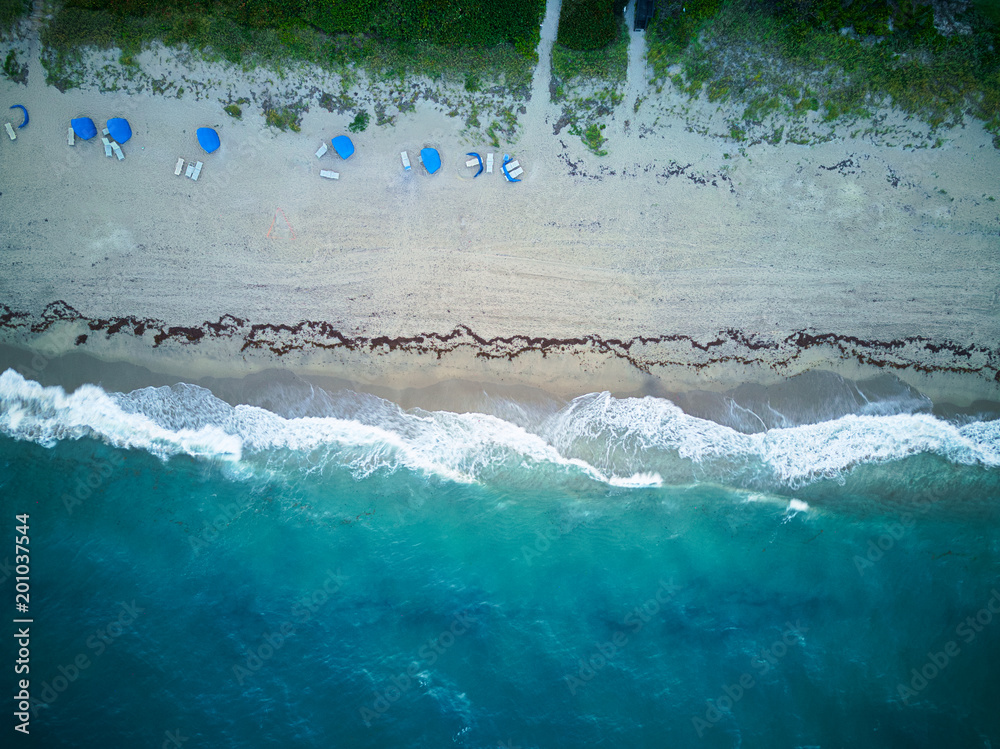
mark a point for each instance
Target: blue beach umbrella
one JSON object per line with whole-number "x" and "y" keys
{"x": 119, "y": 129}
{"x": 431, "y": 159}
{"x": 209, "y": 139}
{"x": 343, "y": 146}
{"x": 21, "y": 107}
{"x": 480, "y": 160}
{"x": 84, "y": 127}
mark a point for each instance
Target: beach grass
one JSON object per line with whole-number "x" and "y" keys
{"x": 390, "y": 59}
{"x": 218, "y": 33}
{"x": 11, "y": 11}
{"x": 14, "y": 69}
{"x": 587, "y": 25}
{"x": 737, "y": 51}
{"x": 608, "y": 64}
{"x": 593, "y": 138}
{"x": 360, "y": 122}
{"x": 283, "y": 117}
{"x": 589, "y": 85}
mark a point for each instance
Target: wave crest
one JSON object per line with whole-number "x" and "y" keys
{"x": 620, "y": 442}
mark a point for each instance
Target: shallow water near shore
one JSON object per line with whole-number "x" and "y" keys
{"x": 336, "y": 570}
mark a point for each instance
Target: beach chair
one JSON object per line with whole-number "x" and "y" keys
{"x": 328, "y": 174}
{"x": 507, "y": 165}
{"x": 322, "y": 150}
{"x": 516, "y": 173}
{"x": 179, "y": 167}
{"x": 10, "y": 131}
{"x": 118, "y": 151}
{"x": 477, "y": 161}
{"x": 71, "y": 137}
{"x": 190, "y": 170}
{"x": 197, "y": 171}
{"x": 406, "y": 160}
{"x": 107, "y": 147}
{"x": 489, "y": 163}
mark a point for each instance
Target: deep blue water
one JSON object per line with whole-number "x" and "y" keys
{"x": 612, "y": 572}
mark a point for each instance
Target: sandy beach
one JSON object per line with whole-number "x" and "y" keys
{"x": 680, "y": 259}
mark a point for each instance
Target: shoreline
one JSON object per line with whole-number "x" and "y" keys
{"x": 422, "y": 370}
{"x": 815, "y": 396}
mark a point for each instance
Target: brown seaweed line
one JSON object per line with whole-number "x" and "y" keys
{"x": 280, "y": 339}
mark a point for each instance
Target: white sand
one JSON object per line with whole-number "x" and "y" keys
{"x": 895, "y": 242}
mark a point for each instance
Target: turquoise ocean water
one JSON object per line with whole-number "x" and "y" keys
{"x": 330, "y": 570}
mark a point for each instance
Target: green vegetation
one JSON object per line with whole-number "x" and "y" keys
{"x": 594, "y": 139}
{"x": 470, "y": 23}
{"x": 11, "y": 11}
{"x": 609, "y": 63}
{"x": 573, "y": 67}
{"x": 17, "y": 72}
{"x": 988, "y": 8}
{"x": 360, "y": 123}
{"x": 488, "y": 38}
{"x": 807, "y": 103}
{"x": 65, "y": 70}
{"x": 675, "y": 27}
{"x": 234, "y": 110}
{"x": 791, "y": 56}
{"x": 283, "y": 118}
{"x": 588, "y": 24}
{"x": 491, "y": 131}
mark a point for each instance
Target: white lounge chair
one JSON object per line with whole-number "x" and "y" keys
{"x": 322, "y": 150}
{"x": 329, "y": 174}
{"x": 10, "y": 131}
{"x": 107, "y": 147}
{"x": 516, "y": 173}
{"x": 190, "y": 170}
{"x": 197, "y": 171}
{"x": 406, "y": 160}
{"x": 179, "y": 167}
{"x": 71, "y": 137}
{"x": 511, "y": 166}
{"x": 489, "y": 163}
{"x": 472, "y": 162}
{"x": 118, "y": 151}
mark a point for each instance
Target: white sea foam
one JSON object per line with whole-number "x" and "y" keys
{"x": 638, "y": 480}
{"x": 630, "y": 442}
{"x": 633, "y": 432}
{"x": 46, "y": 415}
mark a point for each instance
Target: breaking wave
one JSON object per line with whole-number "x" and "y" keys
{"x": 620, "y": 442}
